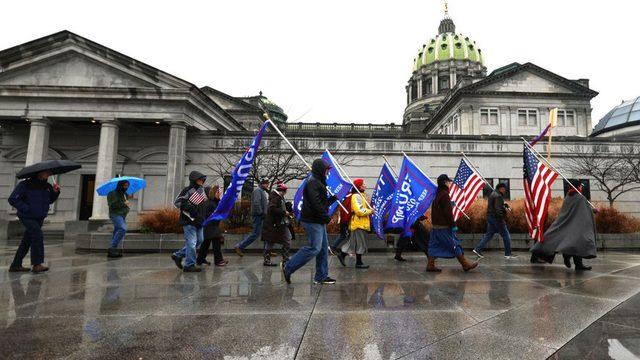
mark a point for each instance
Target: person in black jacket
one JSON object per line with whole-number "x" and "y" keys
{"x": 314, "y": 218}
{"x": 212, "y": 232}
{"x": 420, "y": 237}
{"x": 193, "y": 211}
{"x": 32, "y": 198}
{"x": 496, "y": 212}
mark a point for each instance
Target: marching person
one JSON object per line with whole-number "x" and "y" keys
{"x": 345, "y": 215}
{"x": 118, "y": 202}
{"x": 420, "y": 236}
{"x": 314, "y": 218}
{"x": 496, "y": 213}
{"x": 289, "y": 206}
{"x": 259, "y": 204}
{"x": 31, "y": 198}
{"x": 212, "y": 234}
{"x": 193, "y": 211}
{"x": 443, "y": 242}
{"x": 573, "y": 233}
{"x": 275, "y": 229}
{"x": 359, "y": 226}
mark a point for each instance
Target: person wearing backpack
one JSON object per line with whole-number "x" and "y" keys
{"x": 345, "y": 215}
{"x": 359, "y": 226}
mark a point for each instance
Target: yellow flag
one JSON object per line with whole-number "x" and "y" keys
{"x": 553, "y": 117}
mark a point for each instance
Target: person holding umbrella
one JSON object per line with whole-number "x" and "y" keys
{"x": 118, "y": 192}
{"x": 32, "y": 198}
{"x": 118, "y": 202}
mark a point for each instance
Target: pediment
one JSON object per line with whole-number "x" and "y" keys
{"x": 526, "y": 81}
{"x": 72, "y": 69}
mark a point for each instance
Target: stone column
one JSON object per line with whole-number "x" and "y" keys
{"x": 176, "y": 158}
{"x": 38, "y": 140}
{"x": 106, "y": 164}
{"x": 434, "y": 83}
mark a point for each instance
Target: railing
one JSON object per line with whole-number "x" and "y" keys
{"x": 322, "y": 127}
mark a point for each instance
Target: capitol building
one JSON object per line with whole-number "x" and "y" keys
{"x": 64, "y": 96}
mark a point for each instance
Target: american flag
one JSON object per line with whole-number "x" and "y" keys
{"x": 465, "y": 188}
{"x": 197, "y": 197}
{"x": 538, "y": 179}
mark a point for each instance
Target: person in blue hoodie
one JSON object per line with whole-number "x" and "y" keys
{"x": 32, "y": 198}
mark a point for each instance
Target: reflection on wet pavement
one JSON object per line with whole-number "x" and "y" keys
{"x": 140, "y": 306}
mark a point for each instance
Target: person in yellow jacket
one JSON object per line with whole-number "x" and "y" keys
{"x": 359, "y": 226}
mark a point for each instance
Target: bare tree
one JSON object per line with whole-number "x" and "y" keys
{"x": 615, "y": 173}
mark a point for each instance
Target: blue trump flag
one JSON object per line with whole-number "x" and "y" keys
{"x": 413, "y": 195}
{"x": 381, "y": 199}
{"x": 239, "y": 176}
{"x": 336, "y": 185}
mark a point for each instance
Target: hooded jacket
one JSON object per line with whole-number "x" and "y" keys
{"x": 495, "y": 206}
{"x": 360, "y": 218}
{"x": 315, "y": 203}
{"x": 116, "y": 200}
{"x": 32, "y": 198}
{"x": 190, "y": 212}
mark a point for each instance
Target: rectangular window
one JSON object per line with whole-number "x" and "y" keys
{"x": 414, "y": 90}
{"x": 566, "y": 118}
{"x": 444, "y": 83}
{"x": 489, "y": 116}
{"x": 507, "y": 195}
{"x": 426, "y": 86}
{"x": 586, "y": 191}
{"x": 527, "y": 117}
{"x": 486, "y": 191}
{"x": 456, "y": 123}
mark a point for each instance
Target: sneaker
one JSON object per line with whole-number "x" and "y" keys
{"x": 114, "y": 253}
{"x": 399, "y": 258}
{"x": 238, "y": 251}
{"x": 510, "y": 257}
{"x": 287, "y": 278}
{"x": 222, "y": 263}
{"x": 177, "y": 260}
{"x": 19, "y": 269}
{"x": 192, "y": 269}
{"x": 478, "y": 254}
{"x": 326, "y": 281}
{"x": 205, "y": 262}
{"x": 269, "y": 263}
{"x": 362, "y": 266}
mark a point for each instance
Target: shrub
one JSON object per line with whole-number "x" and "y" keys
{"x": 240, "y": 215}
{"x": 611, "y": 221}
{"x": 161, "y": 221}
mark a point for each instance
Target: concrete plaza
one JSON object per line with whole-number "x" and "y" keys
{"x": 142, "y": 307}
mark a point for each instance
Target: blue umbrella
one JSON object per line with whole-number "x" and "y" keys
{"x": 135, "y": 184}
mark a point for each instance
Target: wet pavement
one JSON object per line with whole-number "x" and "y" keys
{"x": 142, "y": 307}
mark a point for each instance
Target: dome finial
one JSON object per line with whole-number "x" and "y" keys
{"x": 446, "y": 8}
{"x": 446, "y": 25}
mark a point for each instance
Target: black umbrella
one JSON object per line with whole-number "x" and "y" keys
{"x": 54, "y": 166}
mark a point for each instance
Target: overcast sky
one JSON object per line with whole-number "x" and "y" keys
{"x": 344, "y": 61}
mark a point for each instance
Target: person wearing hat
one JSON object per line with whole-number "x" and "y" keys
{"x": 275, "y": 229}
{"x": 443, "y": 242}
{"x": 496, "y": 213}
{"x": 314, "y": 217}
{"x": 573, "y": 233}
{"x": 193, "y": 211}
{"x": 359, "y": 226}
{"x": 259, "y": 205}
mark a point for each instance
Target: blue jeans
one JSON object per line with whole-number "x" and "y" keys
{"x": 495, "y": 226}
{"x": 119, "y": 230}
{"x": 318, "y": 248}
{"x": 344, "y": 235}
{"x": 193, "y": 237}
{"x": 32, "y": 239}
{"x": 255, "y": 233}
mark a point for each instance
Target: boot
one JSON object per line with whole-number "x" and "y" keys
{"x": 466, "y": 265}
{"x": 39, "y": 268}
{"x": 431, "y": 265}
{"x": 399, "y": 257}
{"x": 267, "y": 261}
{"x": 359, "y": 263}
{"x": 567, "y": 260}
{"x": 579, "y": 265}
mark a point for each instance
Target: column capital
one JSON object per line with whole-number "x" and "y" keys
{"x": 38, "y": 120}
{"x": 107, "y": 121}
{"x": 176, "y": 123}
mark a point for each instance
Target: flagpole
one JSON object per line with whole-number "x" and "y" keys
{"x": 455, "y": 205}
{"x": 297, "y": 153}
{"x": 390, "y": 167}
{"x": 344, "y": 173}
{"x": 477, "y": 171}
{"x": 540, "y": 157}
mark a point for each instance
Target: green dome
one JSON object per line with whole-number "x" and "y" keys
{"x": 448, "y": 46}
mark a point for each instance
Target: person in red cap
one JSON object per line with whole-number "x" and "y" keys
{"x": 359, "y": 226}
{"x": 275, "y": 229}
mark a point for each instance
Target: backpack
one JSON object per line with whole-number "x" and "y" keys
{"x": 346, "y": 216}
